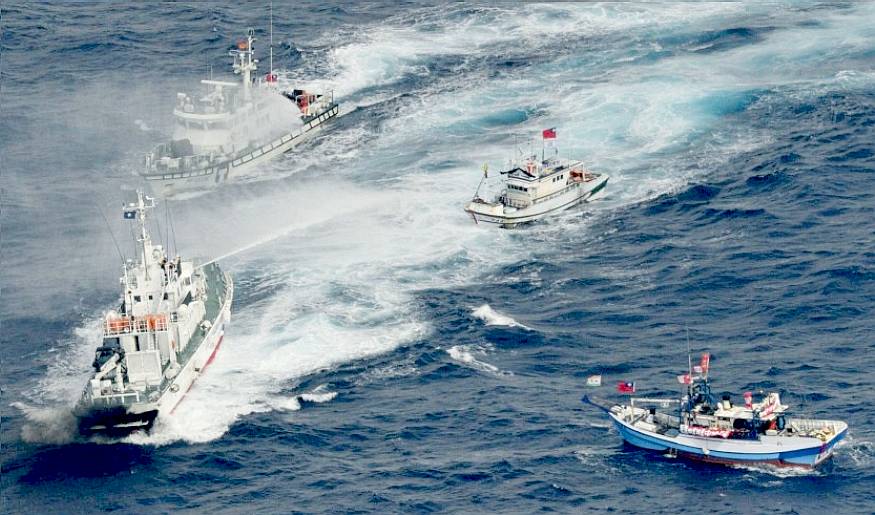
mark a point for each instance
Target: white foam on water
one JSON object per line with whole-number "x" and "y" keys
{"x": 393, "y": 371}
{"x": 492, "y": 317}
{"x": 47, "y": 425}
{"x": 343, "y": 285}
{"x": 49, "y": 413}
{"x": 465, "y": 354}
{"x": 319, "y": 397}
{"x": 861, "y": 453}
{"x": 597, "y": 458}
{"x": 776, "y": 471}
{"x": 401, "y": 47}
{"x": 333, "y": 264}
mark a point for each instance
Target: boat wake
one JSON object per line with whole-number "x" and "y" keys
{"x": 775, "y": 471}
{"x": 860, "y": 453}
{"x": 597, "y": 459}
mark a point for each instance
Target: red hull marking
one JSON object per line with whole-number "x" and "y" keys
{"x": 724, "y": 461}
{"x": 213, "y": 355}
{"x": 210, "y": 360}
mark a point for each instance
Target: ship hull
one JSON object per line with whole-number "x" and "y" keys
{"x": 119, "y": 421}
{"x": 171, "y": 182}
{"x": 115, "y": 422}
{"x": 497, "y": 214}
{"x": 801, "y": 452}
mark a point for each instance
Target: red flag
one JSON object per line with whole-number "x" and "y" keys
{"x": 550, "y": 133}
{"x": 270, "y": 77}
{"x": 685, "y": 379}
{"x": 706, "y": 362}
{"x": 626, "y": 387}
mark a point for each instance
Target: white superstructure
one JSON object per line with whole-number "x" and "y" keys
{"x": 534, "y": 188}
{"x": 167, "y": 328}
{"x": 233, "y": 126}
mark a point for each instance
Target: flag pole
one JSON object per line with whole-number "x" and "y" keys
{"x": 689, "y": 356}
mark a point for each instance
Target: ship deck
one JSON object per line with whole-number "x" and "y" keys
{"x": 217, "y": 290}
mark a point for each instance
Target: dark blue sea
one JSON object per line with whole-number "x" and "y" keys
{"x": 386, "y": 355}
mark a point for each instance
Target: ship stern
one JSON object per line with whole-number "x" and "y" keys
{"x": 114, "y": 422}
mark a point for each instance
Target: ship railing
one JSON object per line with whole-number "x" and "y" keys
{"x": 507, "y": 201}
{"x": 116, "y": 399}
{"x": 650, "y": 400}
{"x": 142, "y": 324}
{"x": 807, "y": 425}
{"x": 179, "y": 168}
{"x": 165, "y": 163}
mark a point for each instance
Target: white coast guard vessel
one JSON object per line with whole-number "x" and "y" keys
{"x": 700, "y": 427}
{"x": 533, "y": 189}
{"x": 233, "y": 127}
{"x": 166, "y": 331}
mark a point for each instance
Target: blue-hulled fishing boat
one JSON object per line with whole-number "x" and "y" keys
{"x": 700, "y": 427}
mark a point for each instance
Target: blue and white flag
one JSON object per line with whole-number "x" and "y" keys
{"x": 130, "y": 214}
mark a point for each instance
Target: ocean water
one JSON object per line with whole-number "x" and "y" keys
{"x": 386, "y": 354}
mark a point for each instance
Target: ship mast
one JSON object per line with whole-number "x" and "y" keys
{"x": 271, "y": 40}
{"x": 139, "y": 211}
{"x": 244, "y": 62}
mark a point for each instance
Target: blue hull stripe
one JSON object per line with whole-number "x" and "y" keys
{"x": 807, "y": 457}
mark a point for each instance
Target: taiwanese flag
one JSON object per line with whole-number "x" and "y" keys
{"x": 685, "y": 379}
{"x": 626, "y": 387}
{"x": 550, "y": 133}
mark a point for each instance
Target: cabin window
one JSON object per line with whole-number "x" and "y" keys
{"x": 137, "y": 298}
{"x": 150, "y": 297}
{"x": 165, "y": 295}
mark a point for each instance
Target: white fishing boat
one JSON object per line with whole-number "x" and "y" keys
{"x": 167, "y": 329}
{"x": 534, "y": 188}
{"x": 234, "y": 126}
{"x": 700, "y": 427}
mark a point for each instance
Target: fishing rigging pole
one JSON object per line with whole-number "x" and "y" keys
{"x": 111, "y": 234}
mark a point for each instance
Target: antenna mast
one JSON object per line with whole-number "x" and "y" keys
{"x": 271, "y": 38}
{"x": 689, "y": 360}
